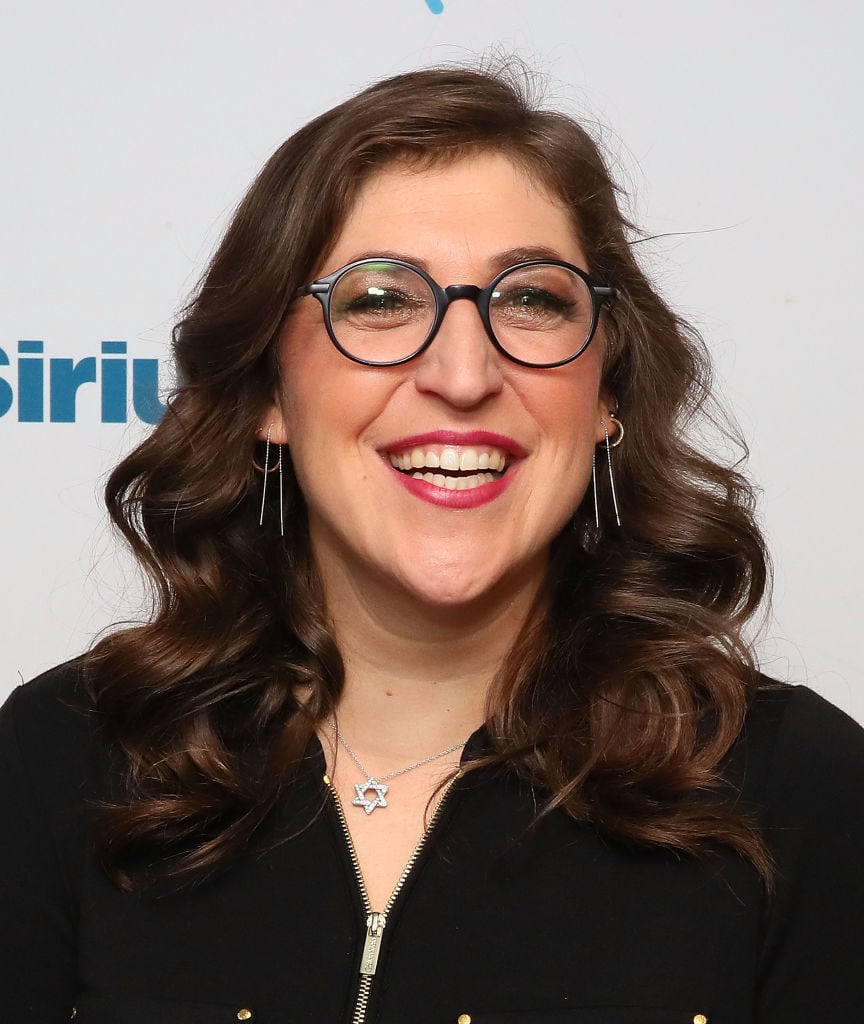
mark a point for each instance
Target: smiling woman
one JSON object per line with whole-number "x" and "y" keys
{"x": 440, "y": 658}
{"x": 454, "y": 400}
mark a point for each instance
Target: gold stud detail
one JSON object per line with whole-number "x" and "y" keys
{"x": 74, "y": 1013}
{"x": 463, "y": 1018}
{"x": 244, "y": 1014}
{"x": 700, "y": 1018}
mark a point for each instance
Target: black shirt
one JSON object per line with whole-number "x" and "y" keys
{"x": 497, "y": 923}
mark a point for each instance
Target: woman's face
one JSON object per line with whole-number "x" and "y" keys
{"x": 459, "y": 403}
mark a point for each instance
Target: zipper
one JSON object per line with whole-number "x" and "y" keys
{"x": 376, "y": 921}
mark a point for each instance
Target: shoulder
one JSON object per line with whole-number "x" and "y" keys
{"x": 798, "y": 766}
{"x": 49, "y": 734}
{"x": 799, "y": 774}
{"x": 53, "y": 704}
{"x": 792, "y": 733}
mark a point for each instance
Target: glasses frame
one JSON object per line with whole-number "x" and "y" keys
{"x": 601, "y": 295}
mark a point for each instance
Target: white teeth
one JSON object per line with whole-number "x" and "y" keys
{"x": 455, "y": 483}
{"x": 451, "y": 458}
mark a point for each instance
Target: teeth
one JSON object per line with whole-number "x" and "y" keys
{"x": 451, "y": 458}
{"x": 455, "y": 483}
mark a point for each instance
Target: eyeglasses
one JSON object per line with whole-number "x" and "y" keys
{"x": 383, "y": 312}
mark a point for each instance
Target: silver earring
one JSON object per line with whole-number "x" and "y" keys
{"x": 594, "y": 485}
{"x": 267, "y": 471}
{"x": 611, "y": 474}
{"x": 281, "y": 495}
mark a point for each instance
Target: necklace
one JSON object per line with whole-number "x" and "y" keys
{"x": 377, "y": 786}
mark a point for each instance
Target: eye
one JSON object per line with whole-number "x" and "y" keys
{"x": 379, "y": 295}
{"x": 375, "y": 300}
{"x": 534, "y": 298}
{"x": 541, "y": 297}
{"x": 531, "y": 307}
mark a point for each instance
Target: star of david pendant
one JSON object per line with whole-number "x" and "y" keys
{"x": 362, "y": 788}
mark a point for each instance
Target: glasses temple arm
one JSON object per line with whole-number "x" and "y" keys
{"x": 606, "y": 294}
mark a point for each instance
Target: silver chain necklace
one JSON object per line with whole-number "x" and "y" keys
{"x": 377, "y": 785}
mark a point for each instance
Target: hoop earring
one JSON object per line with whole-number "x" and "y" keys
{"x": 619, "y": 436}
{"x": 267, "y": 471}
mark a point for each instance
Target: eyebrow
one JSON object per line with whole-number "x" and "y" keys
{"x": 500, "y": 261}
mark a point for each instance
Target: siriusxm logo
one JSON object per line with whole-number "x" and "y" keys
{"x": 60, "y": 382}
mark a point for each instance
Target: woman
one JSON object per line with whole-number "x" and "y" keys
{"x": 445, "y": 712}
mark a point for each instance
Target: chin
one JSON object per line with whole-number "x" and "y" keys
{"x": 452, "y": 586}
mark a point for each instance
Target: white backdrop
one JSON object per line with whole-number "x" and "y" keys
{"x": 130, "y": 131}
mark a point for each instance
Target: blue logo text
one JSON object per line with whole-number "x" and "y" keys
{"x": 106, "y": 378}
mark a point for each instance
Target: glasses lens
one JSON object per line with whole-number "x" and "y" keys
{"x": 381, "y": 312}
{"x": 541, "y": 314}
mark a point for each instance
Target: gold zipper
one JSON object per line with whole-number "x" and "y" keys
{"x": 377, "y": 920}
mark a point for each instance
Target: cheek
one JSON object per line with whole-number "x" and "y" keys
{"x": 327, "y": 405}
{"x": 309, "y": 369}
{"x": 569, "y": 410}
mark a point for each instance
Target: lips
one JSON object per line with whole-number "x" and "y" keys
{"x": 447, "y": 461}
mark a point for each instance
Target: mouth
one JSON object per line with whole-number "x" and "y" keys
{"x": 458, "y": 468}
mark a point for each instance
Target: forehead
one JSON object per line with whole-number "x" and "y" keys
{"x": 462, "y": 212}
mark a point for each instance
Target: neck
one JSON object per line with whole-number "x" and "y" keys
{"x": 417, "y": 677}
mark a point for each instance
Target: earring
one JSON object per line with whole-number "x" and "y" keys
{"x": 609, "y": 446}
{"x": 594, "y": 486}
{"x": 267, "y": 471}
{"x": 619, "y": 436}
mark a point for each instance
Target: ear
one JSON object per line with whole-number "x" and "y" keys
{"x": 607, "y": 403}
{"x": 275, "y": 422}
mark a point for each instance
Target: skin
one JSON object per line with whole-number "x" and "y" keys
{"x": 363, "y": 522}
{"x": 427, "y": 600}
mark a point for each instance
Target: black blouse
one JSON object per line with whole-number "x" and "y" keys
{"x": 497, "y": 923}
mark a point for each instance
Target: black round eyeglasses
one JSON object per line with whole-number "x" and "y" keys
{"x": 383, "y": 312}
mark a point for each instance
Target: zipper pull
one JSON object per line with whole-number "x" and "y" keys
{"x": 372, "y": 946}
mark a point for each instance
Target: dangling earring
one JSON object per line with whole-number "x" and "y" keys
{"x": 594, "y": 485}
{"x": 281, "y": 495}
{"x": 609, "y": 446}
{"x": 267, "y": 471}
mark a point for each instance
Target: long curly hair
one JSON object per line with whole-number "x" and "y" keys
{"x": 620, "y": 697}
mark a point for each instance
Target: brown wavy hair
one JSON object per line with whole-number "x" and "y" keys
{"x": 620, "y": 699}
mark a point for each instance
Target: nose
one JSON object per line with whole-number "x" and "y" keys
{"x": 461, "y": 365}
